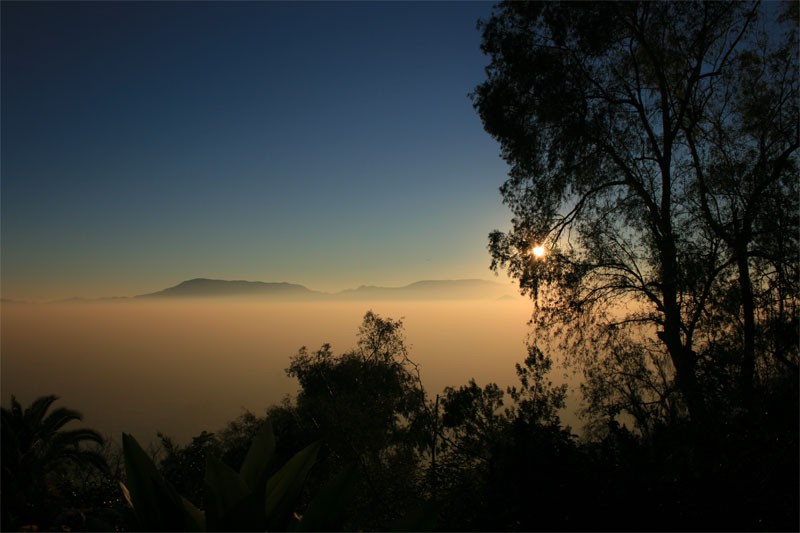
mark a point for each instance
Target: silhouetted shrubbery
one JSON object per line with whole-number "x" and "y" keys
{"x": 475, "y": 459}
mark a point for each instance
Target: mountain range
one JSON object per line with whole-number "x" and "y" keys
{"x": 462, "y": 289}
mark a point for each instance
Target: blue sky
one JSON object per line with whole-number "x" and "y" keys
{"x": 329, "y": 144}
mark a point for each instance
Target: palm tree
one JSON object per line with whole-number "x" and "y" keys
{"x": 35, "y": 449}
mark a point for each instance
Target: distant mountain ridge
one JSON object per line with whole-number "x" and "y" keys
{"x": 464, "y": 289}
{"x": 456, "y": 289}
{"x": 202, "y": 287}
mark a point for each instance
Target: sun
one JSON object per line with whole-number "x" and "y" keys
{"x": 538, "y": 251}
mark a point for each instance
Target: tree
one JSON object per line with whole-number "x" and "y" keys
{"x": 506, "y": 466}
{"x": 368, "y": 406}
{"x": 623, "y": 124}
{"x": 742, "y": 144}
{"x": 35, "y": 450}
{"x": 185, "y": 466}
{"x": 472, "y": 421}
{"x": 367, "y": 399}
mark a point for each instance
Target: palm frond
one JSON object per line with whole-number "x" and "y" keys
{"x": 59, "y": 418}
{"x": 16, "y": 408}
{"x": 34, "y": 415}
{"x": 34, "y": 443}
{"x": 74, "y": 437}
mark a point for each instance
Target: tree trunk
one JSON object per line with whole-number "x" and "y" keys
{"x": 682, "y": 356}
{"x": 747, "y": 371}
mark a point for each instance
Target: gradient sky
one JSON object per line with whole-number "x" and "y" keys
{"x": 328, "y": 144}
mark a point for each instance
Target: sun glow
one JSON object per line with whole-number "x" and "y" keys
{"x": 538, "y": 251}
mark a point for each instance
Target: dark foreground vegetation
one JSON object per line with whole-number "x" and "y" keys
{"x": 653, "y": 155}
{"x": 362, "y": 447}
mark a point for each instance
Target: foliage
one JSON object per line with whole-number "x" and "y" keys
{"x": 650, "y": 145}
{"x": 247, "y": 500}
{"x": 184, "y": 466}
{"x": 537, "y": 401}
{"x": 157, "y": 505}
{"x": 92, "y": 499}
{"x": 37, "y": 453}
{"x": 376, "y": 385}
{"x": 368, "y": 406}
{"x": 486, "y": 462}
{"x": 489, "y": 452}
{"x": 472, "y": 419}
{"x": 633, "y": 379}
{"x": 475, "y": 419}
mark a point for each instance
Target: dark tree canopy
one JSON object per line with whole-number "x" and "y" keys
{"x": 653, "y": 152}
{"x": 368, "y": 407}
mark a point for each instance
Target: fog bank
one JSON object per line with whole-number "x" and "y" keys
{"x": 180, "y": 367}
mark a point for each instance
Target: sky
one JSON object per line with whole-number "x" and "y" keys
{"x": 330, "y": 144}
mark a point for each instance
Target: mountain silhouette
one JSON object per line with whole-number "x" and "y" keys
{"x": 457, "y": 289}
{"x": 210, "y": 288}
{"x": 464, "y": 289}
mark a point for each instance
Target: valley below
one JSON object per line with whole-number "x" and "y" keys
{"x": 180, "y": 366}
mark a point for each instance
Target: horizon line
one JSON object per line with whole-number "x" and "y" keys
{"x": 76, "y": 298}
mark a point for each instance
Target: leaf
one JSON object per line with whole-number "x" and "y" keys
{"x": 194, "y": 518}
{"x": 254, "y": 468}
{"x": 225, "y": 486}
{"x": 329, "y": 509}
{"x": 423, "y": 518}
{"x": 285, "y": 485}
{"x": 126, "y": 493}
{"x": 246, "y": 515}
{"x": 156, "y": 504}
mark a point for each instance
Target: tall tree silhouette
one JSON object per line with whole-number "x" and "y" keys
{"x": 35, "y": 448}
{"x": 742, "y": 145}
{"x": 644, "y": 154}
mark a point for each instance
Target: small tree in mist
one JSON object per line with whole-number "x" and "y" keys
{"x": 368, "y": 399}
{"x": 368, "y": 406}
